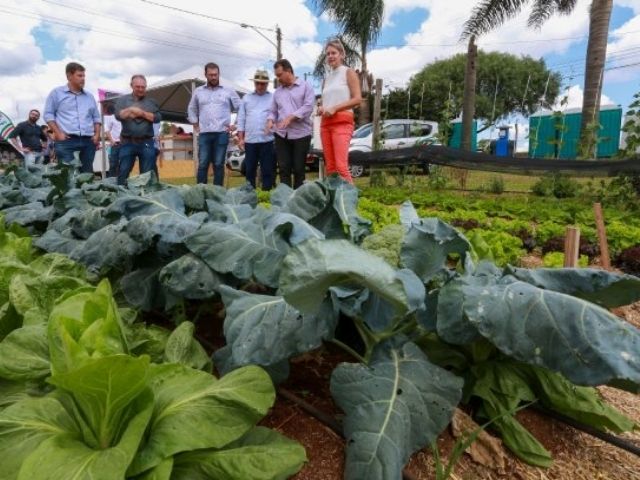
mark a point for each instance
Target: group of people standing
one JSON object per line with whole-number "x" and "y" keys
{"x": 276, "y": 128}
{"x": 273, "y": 128}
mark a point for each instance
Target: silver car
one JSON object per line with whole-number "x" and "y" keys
{"x": 396, "y": 133}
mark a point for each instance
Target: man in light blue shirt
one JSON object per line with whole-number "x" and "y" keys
{"x": 210, "y": 114}
{"x": 72, "y": 114}
{"x": 254, "y": 138}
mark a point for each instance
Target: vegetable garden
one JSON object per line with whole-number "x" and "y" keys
{"x": 144, "y": 331}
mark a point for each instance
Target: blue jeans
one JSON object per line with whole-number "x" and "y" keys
{"x": 146, "y": 153}
{"x": 262, "y": 154}
{"x": 84, "y": 145}
{"x": 114, "y": 160}
{"x": 212, "y": 148}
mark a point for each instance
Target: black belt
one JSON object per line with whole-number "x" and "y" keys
{"x": 128, "y": 138}
{"x": 73, "y": 135}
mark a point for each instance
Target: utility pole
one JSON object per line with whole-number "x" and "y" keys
{"x": 469, "y": 98}
{"x": 376, "y": 115}
{"x": 278, "y": 43}
{"x": 278, "y": 52}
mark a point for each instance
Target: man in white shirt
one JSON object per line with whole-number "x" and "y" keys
{"x": 112, "y": 129}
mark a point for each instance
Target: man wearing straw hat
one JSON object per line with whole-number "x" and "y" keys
{"x": 256, "y": 141}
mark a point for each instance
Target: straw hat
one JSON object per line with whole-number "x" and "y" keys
{"x": 261, "y": 76}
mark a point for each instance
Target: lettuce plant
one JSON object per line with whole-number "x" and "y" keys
{"x": 112, "y": 415}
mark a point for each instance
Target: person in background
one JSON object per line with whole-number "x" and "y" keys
{"x": 31, "y": 139}
{"x": 158, "y": 147}
{"x": 256, "y": 142}
{"x": 48, "y": 146}
{"x": 112, "y": 130}
{"x": 138, "y": 113}
{"x": 72, "y": 114}
{"x": 209, "y": 112}
{"x": 340, "y": 95}
{"x": 290, "y": 119}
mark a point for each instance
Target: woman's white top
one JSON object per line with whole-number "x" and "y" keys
{"x": 336, "y": 88}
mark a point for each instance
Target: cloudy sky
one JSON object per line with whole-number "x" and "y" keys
{"x": 115, "y": 39}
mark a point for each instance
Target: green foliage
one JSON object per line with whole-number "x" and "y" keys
{"x": 379, "y": 214}
{"x": 496, "y": 185}
{"x": 504, "y": 248}
{"x": 556, "y": 260}
{"x": 556, "y": 185}
{"x": 444, "y": 81}
{"x": 386, "y": 243}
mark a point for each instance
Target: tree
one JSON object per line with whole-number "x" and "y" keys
{"x": 443, "y": 82}
{"x": 490, "y": 14}
{"x": 360, "y": 22}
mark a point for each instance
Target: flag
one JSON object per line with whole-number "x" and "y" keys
{"x": 6, "y": 126}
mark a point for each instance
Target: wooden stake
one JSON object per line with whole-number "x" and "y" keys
{"x": 571, "y": 247}
{"x": 602, "y": 237}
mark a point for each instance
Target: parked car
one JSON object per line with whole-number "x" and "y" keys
{"x": 396, "y": 133}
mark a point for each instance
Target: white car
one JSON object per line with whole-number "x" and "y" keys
{"x": 397, "y": 133}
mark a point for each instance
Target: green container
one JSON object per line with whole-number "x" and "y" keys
{"x": 456, "y": 134}
{"x": 557, "y": 135}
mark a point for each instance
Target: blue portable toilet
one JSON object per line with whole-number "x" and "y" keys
{"x": 502, "y": 144}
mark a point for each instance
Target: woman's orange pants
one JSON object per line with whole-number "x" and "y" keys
{"x": 336, "y": 132}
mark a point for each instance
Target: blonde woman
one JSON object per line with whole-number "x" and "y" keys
{"x": 340, "y": 94}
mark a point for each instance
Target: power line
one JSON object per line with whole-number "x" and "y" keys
{"x": 112, "y": 33}
{"x": 150, "y": 27}
{"x": 199, "y": 14}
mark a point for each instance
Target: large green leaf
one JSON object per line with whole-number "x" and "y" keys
{"x": 24, "y": 354}
{"x": 394, "y": 406}
{"x": 183, "y": 348}
{"x": 60, "y": 242}
{"x": 141, "y": 288}
{"x": 345, "y": 203}
{"x": 313, "y": 266}
{"x": 428, "y": 244}
{"x": 14, "y": 246}
{"x": 84, "y": 325}
{"x": 607, "y": 289}
{"x": 243, "y": 249}
{"x": 265, "y": 330}
{"x": 33, "y": 296}
{"x": 189, "y": 277}
{"x": 66, "y": 456}
{"x": 291, "y": 227}
{"x": 306, "y": 202}
{"x": 580, "y": 403}
{"x": 584, "y": 342}
{"x": 110, "y": 248}
{"x": 244, "y": 194}
{"x": 162, "y": 471}
{"x": 261, "y": 454}
{"x": 227, "y": 213}
{"x": 33, "y": 213}
{"x": 194, "y": 410}
{"x": 103, "y": 389}
{"x": 25, "y": 425}
{"x": 9, "y": 268}
{"x": 502, "y": 389}
{"x": 9, "y": 320}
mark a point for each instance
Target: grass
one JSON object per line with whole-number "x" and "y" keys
{"x": 476, "y": 181}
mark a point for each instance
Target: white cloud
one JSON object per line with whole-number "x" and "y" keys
{"x": 574, "y": 96}
{"x": 115, "y": 39}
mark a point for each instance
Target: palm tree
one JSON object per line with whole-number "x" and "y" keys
{"x": 490, "y": 14}
{"x": 360, "y": 22}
